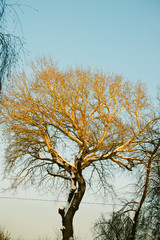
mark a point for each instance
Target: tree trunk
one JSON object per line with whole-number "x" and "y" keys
{"x": 74, "y": 199}
{"x": 134, "y": 227}
{"x": 67, "y": 229}
{"x": 136, "y": 216}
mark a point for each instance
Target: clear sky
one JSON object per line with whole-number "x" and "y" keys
{"x": 119, "y": 36}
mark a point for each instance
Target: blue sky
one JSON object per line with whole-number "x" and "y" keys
{"x": 115, "y": 36}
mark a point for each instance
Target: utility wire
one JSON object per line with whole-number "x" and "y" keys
{"x": 53, "y": 200}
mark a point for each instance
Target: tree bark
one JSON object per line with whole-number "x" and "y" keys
{"x": 74, "y": 199}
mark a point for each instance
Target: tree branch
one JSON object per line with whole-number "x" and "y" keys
{"x": 120, "y": 163}
{"x": 59, "y": 175}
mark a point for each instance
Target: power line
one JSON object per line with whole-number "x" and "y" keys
{"x": 53, "y": 200}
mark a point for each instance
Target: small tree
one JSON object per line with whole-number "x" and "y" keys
{"x": 71, "y": 126}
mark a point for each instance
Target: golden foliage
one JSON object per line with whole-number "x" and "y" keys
{"x": 97, "y": 116}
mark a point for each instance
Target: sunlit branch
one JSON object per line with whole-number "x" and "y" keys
{"x": 120, "y": 163}
{"x": 128, "y": 158}
{"x": 129, "y": 210}
{"x": 118, "y": 149}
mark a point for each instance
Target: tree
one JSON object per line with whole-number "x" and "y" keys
{"x": 11, "y": 45}
{"x": 71, "y": 126}
{"x": 151, "y": 183}
{"x": 132, "y": 223}
{"x": 118, "y": 227}
{"x": 147, "y": 188}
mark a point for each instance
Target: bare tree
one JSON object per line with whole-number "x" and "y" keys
{"x": 149, "y": 183}
{"x": 11, "y": 45}
{"x": 72, "y": 126}
{"x": 139, "y": 218}
{"x": 118, "y": 227}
